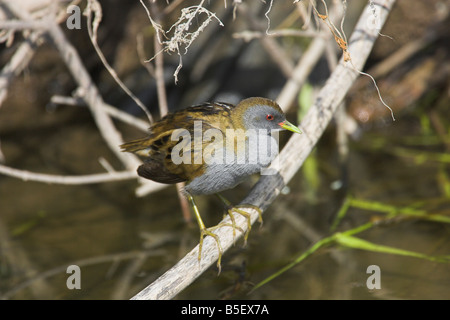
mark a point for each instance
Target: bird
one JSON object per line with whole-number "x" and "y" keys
{"x": 212, "y": 147}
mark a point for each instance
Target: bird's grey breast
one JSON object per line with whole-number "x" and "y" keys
{"x": 226, "y": 168}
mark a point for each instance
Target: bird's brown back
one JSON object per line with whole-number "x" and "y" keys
{"x": 156, "y": 149}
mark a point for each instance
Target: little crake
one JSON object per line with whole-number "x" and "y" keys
{"x": 212, "y": 147}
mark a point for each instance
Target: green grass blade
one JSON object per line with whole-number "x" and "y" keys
{"x": 302, "y": 257}
{"x": 357, "y": 243}
{"x": 341, "y": 213}
{"x": 395, "y": 211}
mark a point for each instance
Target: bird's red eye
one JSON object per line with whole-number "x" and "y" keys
{"x": 269, "y": 117}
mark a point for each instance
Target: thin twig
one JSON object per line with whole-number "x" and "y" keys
{"x": 64, "y": 179}
{"x": 140, "y": 50}
{"x": 159, "y": 77}
{"x": 23, "y": 25}
{"x": 275, "y": 51}
{"x": 95, "y": 8}
{"x": 305, "y": 66}
{"x": 111, "y": 110}
{"x": 250, "y": 35}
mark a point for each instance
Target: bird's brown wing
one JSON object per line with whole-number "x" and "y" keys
{"x": 157, "y": 149}
{"x": 156, "y": 171}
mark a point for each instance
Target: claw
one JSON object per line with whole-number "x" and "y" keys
{"x": 206, "y": 232}
{"x": 209, "y": 231}
{"x": 247, "y": 216}
{"x": 233, "y": 223}
{"x": 236, "y": 209}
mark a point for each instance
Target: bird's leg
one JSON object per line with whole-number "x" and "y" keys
{"x": 231, "y": 208}
{"x": 205, "y": 232}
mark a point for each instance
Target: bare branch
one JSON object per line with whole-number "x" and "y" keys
{"x": 250, "y": 35}
{"x": 64, "y": 179}
{"x": 111, "y": 110}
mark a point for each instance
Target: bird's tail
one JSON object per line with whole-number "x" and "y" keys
{"x": 135, "y": 145}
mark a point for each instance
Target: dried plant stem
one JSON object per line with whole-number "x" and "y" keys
{"x": 305, "y": 65}
{"x": 95, "y": 8}
{"x": 64, "y": 179}
{"x": 160, "y": 83}
{"x": 23, "y": 25}
{"x": 164, "y": 109}
{"x": 274, "y": 50}
{"x": 250, "y": 35}
{"x": 111, "y": 110}
{"x": 291, "y": 158}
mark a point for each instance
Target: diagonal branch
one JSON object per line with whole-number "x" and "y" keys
{"x": 291, "y": 158}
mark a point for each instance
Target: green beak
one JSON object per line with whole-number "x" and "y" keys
{"x": 289, "y": 126}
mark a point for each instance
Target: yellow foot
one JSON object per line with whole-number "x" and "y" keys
{"x": 245, "y": 215}
{"x": 233, "y": 223}
{"x": 208, "y": 232}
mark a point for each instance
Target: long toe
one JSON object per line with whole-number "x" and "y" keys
{"x": 208, "y": 232}
{"x": 257, "y": 209}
